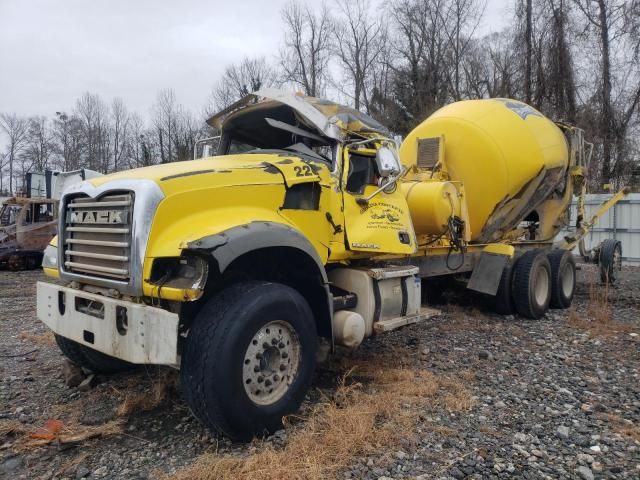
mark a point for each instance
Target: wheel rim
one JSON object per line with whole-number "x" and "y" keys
{"x": 541, "y": 286}
{"x": 271, "y": 362}
{"x": 567, "y": 278}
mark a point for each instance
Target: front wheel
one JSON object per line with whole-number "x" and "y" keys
{"x": 249, "y": 359}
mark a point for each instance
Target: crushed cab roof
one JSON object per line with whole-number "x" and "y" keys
{"x": 331, "y": 119}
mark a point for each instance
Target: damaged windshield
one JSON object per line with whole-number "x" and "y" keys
{"x": 272, "y": 127}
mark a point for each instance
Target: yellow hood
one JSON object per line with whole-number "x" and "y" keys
{"x": 228, "y": 170}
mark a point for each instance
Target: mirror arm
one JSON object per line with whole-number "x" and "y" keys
{"x": 364, "y": 201}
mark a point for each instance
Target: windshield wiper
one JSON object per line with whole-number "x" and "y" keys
{"x": 309, "y": 154}
{"x": 295, "y": 130}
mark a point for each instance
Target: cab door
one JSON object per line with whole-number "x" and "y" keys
{"x": 384, "y": 224}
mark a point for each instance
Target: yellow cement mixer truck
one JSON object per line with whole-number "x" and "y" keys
{"x": 310, "y": 225}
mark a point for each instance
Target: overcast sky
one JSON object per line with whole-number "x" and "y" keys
{"x": 51, "y": 51}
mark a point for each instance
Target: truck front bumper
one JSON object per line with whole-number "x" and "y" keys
{"x": 130, "y": 331}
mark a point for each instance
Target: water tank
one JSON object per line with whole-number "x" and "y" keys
{"x": 496, "y": 148}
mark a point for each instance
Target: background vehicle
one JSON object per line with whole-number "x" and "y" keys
{"x": 27, "y": 225}
{"x": 29, "y": 222}
{"x": 307, "y": 227}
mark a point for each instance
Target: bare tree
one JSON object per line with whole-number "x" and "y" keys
{"x": 418, "y": 61}
{"x": 528, "y": 41}
{"x": 38, "y": 146}
{"x": 239, "y": 80}
{"x": 17, "y": 130}
{"x": 93, "y": 116}
{"x": 360, "y": 44}
{"x": 119, "y": 128}
{"x": 304, "y": 58}
{"x": 166, "y": 113}
{"x": 560, "y": 71}
{"x": 502, "y": 67}
{"x": 68, "y": 141}
{"x": 608, "y": 19}
{"x": 4, "y": 161}
{"x": 459, "y": 23}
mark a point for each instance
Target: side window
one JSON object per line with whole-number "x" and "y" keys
{"x": 362, "y": 172}
{"x": 44, "y": 212}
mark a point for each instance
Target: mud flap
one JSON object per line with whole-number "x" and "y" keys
{"x": 485, "y": 277}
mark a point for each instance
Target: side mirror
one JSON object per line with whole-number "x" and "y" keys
{"x": 387, "y": 162}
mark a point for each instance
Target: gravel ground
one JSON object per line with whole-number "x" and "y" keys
{"x": 555, "y": 398}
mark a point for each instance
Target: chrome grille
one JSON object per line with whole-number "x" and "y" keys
{"x": 97, "y": 236}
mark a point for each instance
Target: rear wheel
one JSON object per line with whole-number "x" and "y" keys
{"x": 249, "y": 358}
{"x": 91, "y": 359}
{"x": 610, "y": 260}
{"x": 503, "y": 300}
{"x": 532, "y": 284}
{"x": 563, "y": 278}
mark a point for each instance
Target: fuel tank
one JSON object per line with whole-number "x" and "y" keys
{"x": 508, "y": 156}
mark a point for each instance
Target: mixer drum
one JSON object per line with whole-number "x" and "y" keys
{"x": 508, "y": 155}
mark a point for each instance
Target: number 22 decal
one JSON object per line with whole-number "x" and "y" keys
{"x": 304, "y": 171}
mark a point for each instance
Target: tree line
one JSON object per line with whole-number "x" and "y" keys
{"x": 575, "y": 60}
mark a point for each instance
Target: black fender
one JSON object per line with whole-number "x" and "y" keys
{"x": 227, "y": 246}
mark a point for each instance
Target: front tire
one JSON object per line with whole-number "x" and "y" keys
{"x": 532, "y": 284}
{"x": 249, "y": 358}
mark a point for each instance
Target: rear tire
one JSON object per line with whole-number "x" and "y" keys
{"x": 610, "y": 260}
{"x": 503, "y": 300}
{"x": 563, "y": 278}
{"x": 532, "y": 284}
{"x": 249, "y": 358}
{"x": 91, "y": 359}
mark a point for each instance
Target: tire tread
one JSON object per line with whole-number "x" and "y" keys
{"x": 202, "y": 348}
{"x": 521, "y": 281}
{"x": 555, "y": 260}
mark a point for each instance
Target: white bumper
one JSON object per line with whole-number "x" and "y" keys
{"x": 129, "y": 331}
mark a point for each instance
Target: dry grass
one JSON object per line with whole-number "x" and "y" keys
{"x": 443, "y": 430}
{"x": 624, "y": 427}
{"x": 489, "y": 430}
{"x": 599, "y": 319}
{"x": 37, "y": 338}
{"x": 356, "y": 422}
{"x": 11, "y": 427}
{"x": 598, "y": 304}
{"x": 71, "y": 464}
{"x": 457, "y": 398}
{"x": 161, "y": 388}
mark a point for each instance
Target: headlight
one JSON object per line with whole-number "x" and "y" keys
{"x": 186, "y": 272}
{"x": 50, "y": 257}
